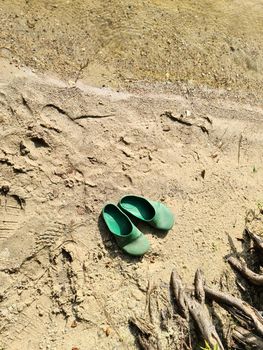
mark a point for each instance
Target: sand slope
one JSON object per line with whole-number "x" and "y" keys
{"x": 66, "y": 150}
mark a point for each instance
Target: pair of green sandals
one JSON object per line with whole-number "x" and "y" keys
{"x": 127, "y": 235}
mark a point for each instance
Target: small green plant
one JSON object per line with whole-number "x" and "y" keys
{"x": 208, "y": 347}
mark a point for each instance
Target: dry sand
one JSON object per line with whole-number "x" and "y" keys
{"x": 68, "y": 147}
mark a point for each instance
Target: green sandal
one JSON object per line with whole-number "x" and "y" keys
{"x": 128, "y": 237}
{"x": 155, "y": 213}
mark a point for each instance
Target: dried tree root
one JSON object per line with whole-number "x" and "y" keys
{"x": 258, "y": 241}
{"x": 147, "y": 337}
{"x": 200, "y": 313}
{"x": 240, "y": 266}
{"x": 238, "y": 308}
{"x": 198, "y": 310}
{"x": 202, "y": 318}
{"x": 144, "y": 343}
{"x": 179, "y": 294}
{"x": 247, "y": 338}
{"x": 199, "y": 286}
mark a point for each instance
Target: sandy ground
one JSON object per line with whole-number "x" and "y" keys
{"x": 63, "y": 159}
{"x": 68, "y": 145}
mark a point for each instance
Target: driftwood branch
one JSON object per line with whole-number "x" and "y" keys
{"x": 238, "y": 308}
{"x": 197, "y": 309}
{"x": 240, "y": 266}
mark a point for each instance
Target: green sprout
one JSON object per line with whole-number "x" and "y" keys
{"x": 208, "y": 347}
